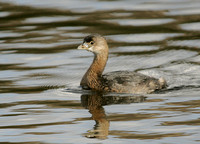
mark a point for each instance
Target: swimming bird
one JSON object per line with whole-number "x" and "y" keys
{"x": 117, "y": 81}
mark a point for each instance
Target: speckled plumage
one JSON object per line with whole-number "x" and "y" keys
{"x": 131, "y": 82}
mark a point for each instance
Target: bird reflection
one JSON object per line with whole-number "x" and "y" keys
{"x": 94, "y": 102}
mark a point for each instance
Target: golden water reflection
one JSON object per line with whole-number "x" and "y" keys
{"x": 95, "y": 102}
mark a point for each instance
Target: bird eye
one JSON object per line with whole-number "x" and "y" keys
{"x": 91, "y": 42}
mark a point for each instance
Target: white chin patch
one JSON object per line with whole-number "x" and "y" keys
{"x": 86, "y": 45}
{"x": 91, "y": 49}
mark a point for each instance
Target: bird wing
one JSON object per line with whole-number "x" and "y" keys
{"x": 125, "y": 78}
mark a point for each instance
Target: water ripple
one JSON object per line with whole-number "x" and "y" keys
{"x": 40, "y": 71}
{"x": 140, "y": 22}
{"x": 147, "y": 37}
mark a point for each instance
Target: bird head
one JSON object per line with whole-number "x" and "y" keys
{"x": 94, "y": 43}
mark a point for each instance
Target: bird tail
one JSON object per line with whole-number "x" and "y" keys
{"x": 163, "y": 83}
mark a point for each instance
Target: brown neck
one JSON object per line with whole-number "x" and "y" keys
{"x": 92, "y": 78}
{"x": 98, "y": 64}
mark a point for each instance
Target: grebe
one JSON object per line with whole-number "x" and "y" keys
{"x": 118, "y": 81}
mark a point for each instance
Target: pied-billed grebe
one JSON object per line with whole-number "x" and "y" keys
{"x": 118, "y": 81}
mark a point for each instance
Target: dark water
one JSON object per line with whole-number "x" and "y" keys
{"x": 40, "y": 71}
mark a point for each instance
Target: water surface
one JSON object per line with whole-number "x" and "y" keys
{"x": 40, "y": 71}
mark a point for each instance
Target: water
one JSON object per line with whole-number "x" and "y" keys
{"x": 40, "y": 71}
